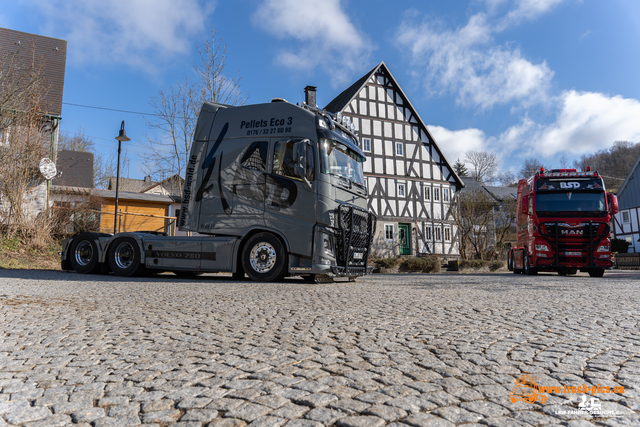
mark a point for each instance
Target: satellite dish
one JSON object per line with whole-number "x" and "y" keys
{"x": 48, "y": 168}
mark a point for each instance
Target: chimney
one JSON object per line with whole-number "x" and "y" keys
{"x": 310, "y": 95}
{"x": 147, "y": 178}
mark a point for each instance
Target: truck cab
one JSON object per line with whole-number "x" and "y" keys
{"x": 563, "y": 223}
{"x": 270, "y": 190}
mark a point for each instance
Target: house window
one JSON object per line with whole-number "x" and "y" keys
{"x": 445, "y": 194}
{"x": 399, "y": 149}
{"x": 366, "y": 145}
{"x": 438, "y": 234}
{"x": 388, "y": 231}
{"x": 427, "y": 193}
{"x": 427, "y": 232}
{"x": 447, "y": 234}
{"x": 436, "y": 194}
{"x": 625, "y": 217}
{"x": 401, "y": 190}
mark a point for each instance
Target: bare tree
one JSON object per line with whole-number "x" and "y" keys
{"x": 507, "y": 179}
{"x": 213, "y": 85}
{"x": 473, "y": 216}
{"x": 530, "y": 167}
{"x": 24, "y": 138}
{"x": 177, "y": 108}
{"x": 504, "y": 224}
{"x": 483, "y": 164}
{"x": 613, "y": 164}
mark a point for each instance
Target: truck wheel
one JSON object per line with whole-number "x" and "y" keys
{"x": 596, "y": 273}
{"x": 526, "y": 268}
{"x": 510, "y": 260}
{"x": 83, "y": 254}
{"x": 264, "y": 258}
{"x": 124, "y": 257}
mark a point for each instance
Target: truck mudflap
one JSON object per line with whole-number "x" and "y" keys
{"x": 356, "y": 229}
{"x": 574, "y": 245}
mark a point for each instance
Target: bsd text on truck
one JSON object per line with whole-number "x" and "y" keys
{"x": 563, "y": 223}
{"x": 271, "y": 190}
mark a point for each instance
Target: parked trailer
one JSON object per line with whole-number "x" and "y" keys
{"x": 272, "y": 190}
{"x": 563, "y": 223}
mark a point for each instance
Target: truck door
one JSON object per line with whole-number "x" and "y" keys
{"x": 291, "y": 201}
{"x": 233, "y": 197}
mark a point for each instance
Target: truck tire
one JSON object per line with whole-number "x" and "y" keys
{"x": 596, "y": 273}
{"x": 124, "y": 257}
{"x": 83, "y": 254}
{"x": 264, "y": 258}
{"x": 526, "y": 268}
{"x": 510, "y": 260}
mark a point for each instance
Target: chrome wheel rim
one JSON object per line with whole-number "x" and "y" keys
{"x": 83, "y": 253}
{"x": 124, "y": 255}
{"x": 262, "y": 257}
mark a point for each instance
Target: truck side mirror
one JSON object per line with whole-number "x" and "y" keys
{"x": 613, "y": 203}
{"x": 301, "y": 165}
{"x": 525, "y": 205}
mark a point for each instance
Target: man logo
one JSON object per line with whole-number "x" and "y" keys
{"x": 570, "y": 185}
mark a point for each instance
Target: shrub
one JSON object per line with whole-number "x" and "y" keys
{"x": 496, "y": 265}
{"x": 423, "y": 264}
{"x": 620, "y": 246}
{"x": 472, "y": 263}
{"x": 386, "y": 262}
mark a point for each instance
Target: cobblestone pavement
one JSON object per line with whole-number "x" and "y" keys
{"x": 397, "y": 350}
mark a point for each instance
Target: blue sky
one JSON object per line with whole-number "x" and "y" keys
{"x": 546, "y": 78}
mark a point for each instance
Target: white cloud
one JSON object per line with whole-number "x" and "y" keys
{"x": 454, "y": 143}
{"x": 463, "y": 62}
{"x": 588, "y": 122}
{"x": 585, "y": 122}
{"x": 325, "y": 36}
{"x": 139, "y": 33}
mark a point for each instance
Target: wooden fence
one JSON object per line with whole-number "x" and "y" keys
{"x": 626, "y": 261}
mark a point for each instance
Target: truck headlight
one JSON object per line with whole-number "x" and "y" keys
{"x": 327, "y": 244}
{"x": 604, "y": 248}
{"x": 543, "y": 248}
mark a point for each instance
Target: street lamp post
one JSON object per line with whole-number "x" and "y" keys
{"x": 122, "y": 136}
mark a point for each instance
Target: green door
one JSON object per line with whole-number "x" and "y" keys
{"x": 404, "y": 239}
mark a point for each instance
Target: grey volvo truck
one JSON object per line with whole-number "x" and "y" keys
{"x": 271, "y": 190}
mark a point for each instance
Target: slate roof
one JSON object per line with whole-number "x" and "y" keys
{"x": 629, "y": 192}
{"x": 50, "y": 52}
{"x": 130, "y": 184}
{"x": 341, "y": 101}
{"x": 111, "y": 194}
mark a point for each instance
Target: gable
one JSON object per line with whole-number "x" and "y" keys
{"x": 384, "y": 116}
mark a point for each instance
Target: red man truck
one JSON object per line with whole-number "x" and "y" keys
{"x": 563, "y": 218}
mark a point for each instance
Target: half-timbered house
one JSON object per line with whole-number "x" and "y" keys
{"x": 410, "y": 182}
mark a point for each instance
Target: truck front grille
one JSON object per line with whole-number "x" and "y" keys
{"x": 575, "y": 244}
{"x": 356, "y": 228}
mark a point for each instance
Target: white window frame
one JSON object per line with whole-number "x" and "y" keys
{"x": 366, "y": 142}
{"x": 445, "y": 194}
{"x": 427, "y": 192}
{"x": 402, "y": 190}
{"x": 399, "y": 149}
{"x": 626, "y": 219}
{"x": 438, "y": 233}
{"x": 387, "y": 228}
{"x": 447, "y": 234}
{"x": 428, "y": 235}
{"x": 436, "y": 194}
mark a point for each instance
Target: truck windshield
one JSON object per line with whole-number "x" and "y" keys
{"x": 570, "y": 203}
{"x": 338, "y": 159}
